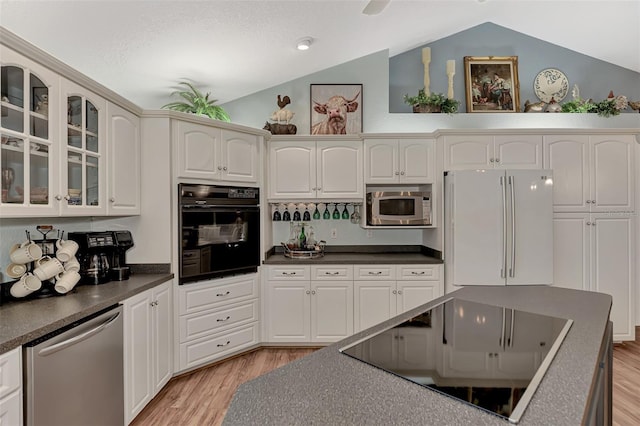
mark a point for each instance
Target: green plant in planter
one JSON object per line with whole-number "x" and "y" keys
{"x": 578, "y": 106}
{"x": 435, "y": 102}
{"x": 197, "y": 103}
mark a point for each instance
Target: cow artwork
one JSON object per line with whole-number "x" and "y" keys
{"x": 335, "y": 113}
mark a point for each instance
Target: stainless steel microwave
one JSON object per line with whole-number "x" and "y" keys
{"x": 399, "y": 208}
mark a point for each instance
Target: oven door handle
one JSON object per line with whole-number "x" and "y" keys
{"x": 224, "y": 208}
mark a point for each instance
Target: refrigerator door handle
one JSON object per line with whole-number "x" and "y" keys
{"x": 512, "y": 268}
{"x": 503, "y": 270}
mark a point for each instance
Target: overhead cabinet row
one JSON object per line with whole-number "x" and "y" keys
{"x": 64, "y": 150}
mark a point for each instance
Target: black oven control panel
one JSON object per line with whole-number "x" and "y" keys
{"x": 243, "y": 193}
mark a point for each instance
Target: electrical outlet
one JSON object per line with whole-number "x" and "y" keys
{"x": 334, "y": 233}
{"x": 369, "y": 233}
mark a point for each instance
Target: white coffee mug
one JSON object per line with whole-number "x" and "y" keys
{"x": 72, "y": 265}
{"x": 26, "y": 285}
{"x": 26, "y": 252}
{"x": 66, "y": 281}
{"x": 16, "y": 270}
{"x": 66, "y": 250}
{"x": 48, "y": 268}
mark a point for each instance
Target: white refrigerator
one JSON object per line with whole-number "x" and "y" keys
{"x": 498, "y": 227}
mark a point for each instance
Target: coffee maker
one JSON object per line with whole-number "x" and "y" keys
{"x": 95, "y": 253}
{"x": 119, "y": 269}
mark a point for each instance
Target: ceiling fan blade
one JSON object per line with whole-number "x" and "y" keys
{"x": 375, "y": 6}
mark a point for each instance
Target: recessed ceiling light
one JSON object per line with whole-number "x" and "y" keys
{"x": 304, "y": 43}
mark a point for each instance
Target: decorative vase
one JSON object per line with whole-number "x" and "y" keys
{"x": 426, "y": 108}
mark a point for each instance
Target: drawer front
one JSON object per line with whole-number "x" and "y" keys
{"x": 203, "y": 323}
{"x": 10, "y": 371}
{"x": 418, "y": 272}
{"x": 332, "y": 273}
{"x": 299, "y": 273}
{"x": 208, "y": 349}
{"x": 375, "y": 272}
{"x": 201, "y": 296}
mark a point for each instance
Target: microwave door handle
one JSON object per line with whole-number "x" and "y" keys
{"x": 503, "y": 270}
{"x": 512, "y": 268}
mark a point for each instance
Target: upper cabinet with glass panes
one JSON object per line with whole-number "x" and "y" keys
{"x": 28, "y": 150}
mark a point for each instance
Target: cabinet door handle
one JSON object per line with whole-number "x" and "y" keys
{"x": 288, "y": 273}
{"x": 399, "y": 291}
{"x": 332, "y": 273}
{"x": 497, "y": 160}
{"x": 58, "y": 197}
{"x": 397, "y": 173}
{"x": 224, "y": 344}
{"x": 219, "y": 167}
{"x": 313, "y": 292}
{"x": 402, "y": 173}
{"x": 113, "y": 200}
{"x": 374, "y": 273}
{"x": 223, "y": 319}
{"x": 308, "y": 292}
{"x": 588, "y": 223}
{"x": 588, "y": 201}
{"x": 394, "y": 292}
{"x": 224, "y": 168}
{"x": 593, "y": 201}
{"x": 319, "y": 189}
{"x": 417, "y": 273}
{"x": 223, "y": 294}
{"x": 491, "y": 160}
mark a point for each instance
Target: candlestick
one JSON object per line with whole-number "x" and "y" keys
{"x": 451, "y": 70}
{"x": 426, "y": 59}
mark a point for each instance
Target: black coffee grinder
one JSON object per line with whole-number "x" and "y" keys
{"x": 120, "y": 271}
{"x": 95, "y": 253}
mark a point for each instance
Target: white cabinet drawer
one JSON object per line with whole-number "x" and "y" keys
{"x": 210, "y": 348}
{"x": 332, "y": 272}
{"x": 202, "y": 323}
{"x": 298, "y": 273}
{"x": 375, "y": 272}
{"x": 419, "y": 272}
{"x": 11, "y": 409}
{"x": 10, "y": 371}
{"x": 197, "y": 297}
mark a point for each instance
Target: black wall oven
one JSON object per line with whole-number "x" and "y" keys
{"x": 220, "y": 228}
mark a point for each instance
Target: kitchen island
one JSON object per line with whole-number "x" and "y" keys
{"x": 328, "y": 387}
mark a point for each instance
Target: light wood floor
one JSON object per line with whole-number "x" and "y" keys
{"x": 202, "y": 397}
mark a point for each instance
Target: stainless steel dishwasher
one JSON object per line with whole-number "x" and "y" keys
{"x": 74, "y": 376}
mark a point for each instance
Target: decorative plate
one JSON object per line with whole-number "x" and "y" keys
{"x": 551, "y": 83}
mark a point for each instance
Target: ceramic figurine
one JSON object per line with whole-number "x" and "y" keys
{"x": 535, "y": 107}
{"x": 43, "y": 105}
{"x": 553, "y": 106}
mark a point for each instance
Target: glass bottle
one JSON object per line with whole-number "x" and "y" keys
{"x": 303, "y": 238}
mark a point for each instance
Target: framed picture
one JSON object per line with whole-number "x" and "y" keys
{"x": 492, "y": 83}
{"x": 336, "y": 109}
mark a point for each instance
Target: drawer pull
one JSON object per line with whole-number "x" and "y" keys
{"x": 375, "y": 273}
{"x": 288, "y": 273}
{"x": 332, "y": 273}
{"x": 223, "y": 294}
{"x": 417, "y": 273}
{"x": 224, "y": 344}
{"x": 223, "y": 319}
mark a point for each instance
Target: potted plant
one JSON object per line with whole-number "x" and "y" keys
{"x": 435, "y": 102}
{"x": 197, "y": 103}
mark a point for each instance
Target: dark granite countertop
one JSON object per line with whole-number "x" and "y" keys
{"x": 362, "y": 255}
{"x": 328, "y": 387}
{"x": 24, "y": 321}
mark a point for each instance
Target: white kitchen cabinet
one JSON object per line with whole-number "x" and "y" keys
{"x": 30, "y": 147}
{"x": 393, "y": 161}
{"x": 596, "y": 251}
{"x": 312, "y": 305}
{"x": 488, "y": 151}
{"x": 315, "y": 170}
{"x": 383, "y": 291}
{"x": 210, "y": 153}
{"x": 123, "y": 140}
{"x": 591, "y": 173}
{"x": 83, "y": 163}
{"x": 11, "y": 387}
{"x": 216, "y": 318}
{"x": 148, "y": 346}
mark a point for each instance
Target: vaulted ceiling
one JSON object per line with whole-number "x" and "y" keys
{"x": 142, "y": 48}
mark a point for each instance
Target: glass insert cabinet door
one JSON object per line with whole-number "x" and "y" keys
{"x": 26, "y": 147}
{"x": 84, "y": 152}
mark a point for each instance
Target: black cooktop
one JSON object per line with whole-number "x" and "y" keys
{"x": 492, "y": 357}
